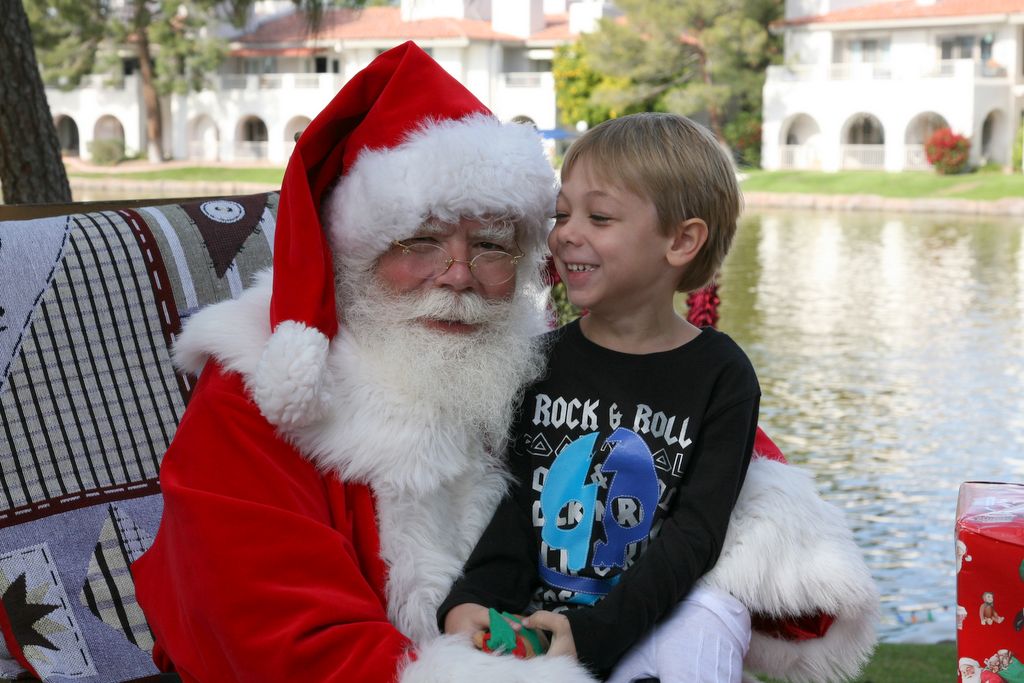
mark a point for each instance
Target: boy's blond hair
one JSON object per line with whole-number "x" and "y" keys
{"x": 679, "y": 166}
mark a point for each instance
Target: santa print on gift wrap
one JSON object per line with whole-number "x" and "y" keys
{"x": 1001, "y": 667}
{"x": 961, "y": 555}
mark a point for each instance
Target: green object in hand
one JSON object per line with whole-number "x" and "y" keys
{"x": 503, "y": 638}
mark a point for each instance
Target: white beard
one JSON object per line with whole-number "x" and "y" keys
{"x": 422, "y": 416}
{"x": 474, "y": 380}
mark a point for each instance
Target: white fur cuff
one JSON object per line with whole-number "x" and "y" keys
{"x": 452, "y": 659}
{"x": 789, "y": 553}
{"x": 289, "y": 384}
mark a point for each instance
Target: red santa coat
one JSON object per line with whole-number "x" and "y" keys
{"x": 266, "y": 569}
{"x": 307, "y": 556}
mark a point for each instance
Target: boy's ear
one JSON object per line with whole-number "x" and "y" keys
{"x": 688, "y": 238}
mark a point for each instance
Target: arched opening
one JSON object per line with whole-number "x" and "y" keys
{"x": 920, "y": 128}
{"x": 292, "y": 130}
{"x": 67, "y": 135}
{"x": 863, "y": 143}
{"x": 203, "y": 139}
{"x": 800, "y": 142}
{"x": 251, "y": 139}
{"x": 107, "y": 146}
{"x": 108, "y": 128}
{"x": 995, "y": 142}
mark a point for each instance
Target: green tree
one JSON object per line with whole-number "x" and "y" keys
{"x": 575, "y": 84}
{"x": 170, "y": 41}
{"x": 693, "y": 57}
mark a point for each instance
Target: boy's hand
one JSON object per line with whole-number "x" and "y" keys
{"x": 562, "y": 642}
{"x": 469, "y": 618}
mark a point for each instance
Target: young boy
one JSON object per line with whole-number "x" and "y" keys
{"x": 630, "y": 453}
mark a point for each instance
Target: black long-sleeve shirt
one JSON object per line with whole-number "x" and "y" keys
{"x": 621, "y": 461}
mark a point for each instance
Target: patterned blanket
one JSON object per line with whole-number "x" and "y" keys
{"x": 89, "y": 400}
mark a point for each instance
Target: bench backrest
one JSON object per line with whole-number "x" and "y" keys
{"x": 89, "y": 400}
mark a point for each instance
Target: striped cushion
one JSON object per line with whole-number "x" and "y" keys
{"x": 89, "y": 400}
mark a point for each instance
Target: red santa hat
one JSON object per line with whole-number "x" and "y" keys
{"x": 402, "y": 141}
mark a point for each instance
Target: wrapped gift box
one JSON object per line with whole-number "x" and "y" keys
{"x": 990, "y": 582}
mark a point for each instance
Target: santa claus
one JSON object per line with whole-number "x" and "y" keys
{"x": 970, "y": 670}
{"x": 341, "y": 453}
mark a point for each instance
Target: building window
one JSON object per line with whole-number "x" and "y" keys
{"x": 261, "y": 65}
{"x": 864, "y": 51}
{"x": 957, "y": 47}
{"x": 320, "y": 65}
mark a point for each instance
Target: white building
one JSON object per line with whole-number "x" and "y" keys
{"x": 277, "y": 76}
{"x": 865, "y": 83}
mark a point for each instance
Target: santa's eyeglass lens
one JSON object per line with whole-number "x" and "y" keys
{"x": 427, "y": 260}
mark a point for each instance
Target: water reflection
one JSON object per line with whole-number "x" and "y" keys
{"x": 890, "y": 354}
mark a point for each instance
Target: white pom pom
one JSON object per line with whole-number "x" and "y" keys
{"x": 289, "y": 382}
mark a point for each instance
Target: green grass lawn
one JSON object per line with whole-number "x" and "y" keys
{"x": 923, "y": 184}
{"x": 911, "y": 664}
{"x": 267, "y": 175}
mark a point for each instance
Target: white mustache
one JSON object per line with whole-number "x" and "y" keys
{"x": 439, "y": 304}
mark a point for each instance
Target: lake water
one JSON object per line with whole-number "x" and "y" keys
{"x": 890, "y": 350}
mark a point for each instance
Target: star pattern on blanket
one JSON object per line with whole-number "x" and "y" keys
{"x": 25, "y": 614}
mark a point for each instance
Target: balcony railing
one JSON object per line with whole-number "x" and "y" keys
{"x": 233, "y": 82}
{"x": 874, "y": 71}
{"x": 952, "y": 68}
{"x": 250, "y": 150}
{"x": 864, "y": 71}
{"x": 105, "y": 82}
{"x": 527, "y": 79}
{"x": 799, "y": 157}
{"x": 204, "y": 151}
{"x": 915, "y": 159}
{"x": 862, "y": 156}
{"x": 304, "y": 81}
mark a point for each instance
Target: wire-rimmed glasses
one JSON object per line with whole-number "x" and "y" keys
{"x": 428, "y": 260}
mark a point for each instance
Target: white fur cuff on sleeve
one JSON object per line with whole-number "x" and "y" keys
{"x": 452, "y": 659}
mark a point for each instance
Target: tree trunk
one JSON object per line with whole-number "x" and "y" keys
{"x": 31, "y": 170}
{"x": 150, "y": 98}
{"x": 714, "y": 116}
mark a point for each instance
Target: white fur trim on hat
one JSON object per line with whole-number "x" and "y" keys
{"x": 285, "y": 372}
{"x": 289, "y": 382}
{"x": 453, "y": 659}
{"x": 447, "y": 169}
{"x": 789, "y": 553}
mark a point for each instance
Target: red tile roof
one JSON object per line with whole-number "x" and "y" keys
{"x": 277, "y": 51}
{"x": 906, "y": 10}
{"x": 385, "y": 23}
{"x": 556, "y": 29}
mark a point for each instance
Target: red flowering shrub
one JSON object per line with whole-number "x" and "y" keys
{"x": 947, "y": 151}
